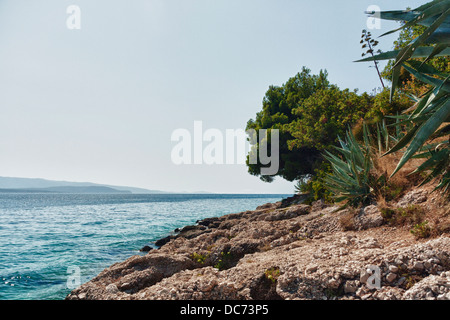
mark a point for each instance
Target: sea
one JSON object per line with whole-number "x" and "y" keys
{"x": 51, "y": 243}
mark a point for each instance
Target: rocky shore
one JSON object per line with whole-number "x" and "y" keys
{"x": 289, "y": 250}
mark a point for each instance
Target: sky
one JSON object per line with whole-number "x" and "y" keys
{"x": 100, "y": 103}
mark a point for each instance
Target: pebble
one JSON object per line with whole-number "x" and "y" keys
{"x": 418, "y": 266}
{"x": 112, "y": 288}
{"x": 391, "y": 277}
{"x": 393, "y": 268}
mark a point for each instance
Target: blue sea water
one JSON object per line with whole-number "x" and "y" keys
{"x": 46, "y": 239}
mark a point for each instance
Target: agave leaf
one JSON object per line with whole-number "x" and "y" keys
{"x": 421, "y": 52}
{"x": 403, "y": 141}
{"x": 416, "y": 120}
{"x": 428, "y": 4}
{"x": 427, "y": 150}
{"x": 441, "y": 36}
{"x": 440, "y": 47}
{"x": 426, "y": 68}
{"x": 398, "y": 131}
{"x": 436, "y": 158}
{"x": 427, "y": 13}
{"x": 407, "y": 52}
{"x": 434, "y": 102}
{"x": 442, "y": 131}
{"x": 424, "y": 132}
{"x": 443, "y": 84}
{"x": 422, "y": 103}
{"x": 366, "y": 135}
{"x": 379, "y": 138}
{"x": 438, "y": 169}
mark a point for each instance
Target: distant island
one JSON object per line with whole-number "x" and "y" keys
{"x": 66, "y": 189}
{"x": 37, "y": 185}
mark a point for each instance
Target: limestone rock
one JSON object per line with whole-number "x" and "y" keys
{"x": 296, "y": 252}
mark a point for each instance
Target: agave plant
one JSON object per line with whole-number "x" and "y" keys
{"x": 350, "y": 177}
{"x": 353, "y": 178}
{"x": 430, "y": 114}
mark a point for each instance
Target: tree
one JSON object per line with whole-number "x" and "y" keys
{"x": 309, "y": 113}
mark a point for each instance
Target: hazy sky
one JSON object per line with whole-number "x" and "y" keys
{"x": 100, "y": 104}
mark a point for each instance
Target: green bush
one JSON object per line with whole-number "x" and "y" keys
{"x": 421, "y": 230}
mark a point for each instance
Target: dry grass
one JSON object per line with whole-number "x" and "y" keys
{"x": 347, "y": 219}
{"x": 429, "y": 219}
{"x": 394, "y": 187}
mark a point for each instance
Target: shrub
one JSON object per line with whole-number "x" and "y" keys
{"x": 224, "y": 261}
{"x": 272, "y": 274}
{"x": 421, "y": 230}
{"x": 409, "y": 216}
{"x": 199, "y": 258}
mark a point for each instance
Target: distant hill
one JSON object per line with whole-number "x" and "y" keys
{"x": 65, "y": 189}
{"x": 11, "y": 184}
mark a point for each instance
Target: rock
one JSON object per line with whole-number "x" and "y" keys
{"x": 125, "y": 286}
{"x": 190, "y": 232}
{"x": 429, "y": 288}
{"x": 434, "y": 261}
{"x": 390, "y": 277}
{"x": 318, "y": 205}
{"x": 146, "y": 249}
{"x": 111, "y": 288}
{"x": 441, "y": 297}
{"x": 163, "y": 241}
{"x": 418, "y": 266}
{"x": 350, "y": 286}
{"x": 266, "y": 206}
{"x": 296, "y": 199}
{"x": 401, "y": 281}
{"x": 366, "y": 296}
{"x": 210, "y": 222}
{"x": 365, "y": 275}
{"x": 311, "y": 269}
{"x": 413, "y": 197}
{"x": 289, "y": 213}
{"x": 334, "y": 283}
{"x": 369, "y": 217}
{"x": 297, "y": 252}
{"x": 393, "y": 268}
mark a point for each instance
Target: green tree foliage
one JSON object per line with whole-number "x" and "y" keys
{"x": 324, "y": 116}
{"x": 310, "y": 114}
{"x": 405, "y": 37}
{"x": 383, "y": 106}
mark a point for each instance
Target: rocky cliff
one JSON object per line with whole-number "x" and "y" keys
{"x": 288, "y": 250}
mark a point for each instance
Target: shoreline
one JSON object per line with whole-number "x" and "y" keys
{"x": 284, "y": 251}
{"x": 204, "y": 225}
